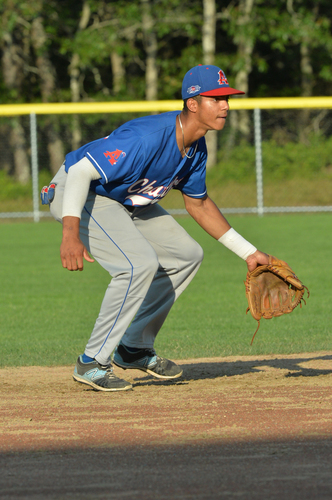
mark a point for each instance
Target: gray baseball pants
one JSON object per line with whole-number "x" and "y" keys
{"x": 150, "y": 258}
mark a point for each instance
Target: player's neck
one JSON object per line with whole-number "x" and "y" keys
{"x": 188, "y": 133}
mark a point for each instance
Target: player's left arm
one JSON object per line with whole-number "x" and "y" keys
{"x": 208, "y": 216}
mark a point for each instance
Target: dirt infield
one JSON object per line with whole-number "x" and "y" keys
{"x": 238, "y": 427}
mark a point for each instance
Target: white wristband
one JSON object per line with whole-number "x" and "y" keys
{"x": 237, "y": 244}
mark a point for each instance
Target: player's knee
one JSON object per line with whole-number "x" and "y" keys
{"x": 148, "y": 266}
{"x": 152, "y": 265}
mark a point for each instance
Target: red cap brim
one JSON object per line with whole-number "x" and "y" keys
{"x": 222, "y": 91}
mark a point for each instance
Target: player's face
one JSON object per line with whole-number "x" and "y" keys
{"x": 213, "y": 112}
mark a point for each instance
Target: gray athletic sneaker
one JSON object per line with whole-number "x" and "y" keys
{"x": 147, "y": 361}
{"x": 100, "y": 377}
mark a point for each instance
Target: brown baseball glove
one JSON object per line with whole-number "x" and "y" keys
{"x": 273, "y": 290}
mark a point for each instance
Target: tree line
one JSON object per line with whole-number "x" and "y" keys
{"x": 97, "y": 50}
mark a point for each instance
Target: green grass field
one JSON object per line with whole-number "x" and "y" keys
{"x": 47, "y": 313}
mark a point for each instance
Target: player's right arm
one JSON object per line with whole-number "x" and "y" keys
{"x": 72, "y": 250}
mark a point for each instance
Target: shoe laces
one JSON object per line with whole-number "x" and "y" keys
{"x": 108, "y": 369}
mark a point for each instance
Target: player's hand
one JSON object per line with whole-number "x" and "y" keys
{"x": 257, "y": 259}
{"x": 72, "y": 250}
{"x": 72, "y": 253}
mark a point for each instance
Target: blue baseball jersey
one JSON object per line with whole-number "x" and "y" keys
{"x": 140, "y": 162}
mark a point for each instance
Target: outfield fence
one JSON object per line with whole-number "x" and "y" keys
{"x": 35, "y": 115}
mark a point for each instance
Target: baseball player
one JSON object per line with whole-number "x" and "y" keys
{"x": 106, "y": 196}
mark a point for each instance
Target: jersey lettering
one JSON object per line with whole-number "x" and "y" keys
{"x": 222, "y": 78}
{"x": 113, "y": 156}
{"x": 140, "y": 182}
{"x": 147, "y": 188}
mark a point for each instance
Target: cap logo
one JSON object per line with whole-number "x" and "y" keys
{"x": 222, "y": 78}
{"x": 193, "y": 89}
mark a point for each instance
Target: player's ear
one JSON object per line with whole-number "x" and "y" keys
{"x": 192, "y": 104}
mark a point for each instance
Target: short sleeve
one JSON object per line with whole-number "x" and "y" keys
{"x": 194, "y": 182}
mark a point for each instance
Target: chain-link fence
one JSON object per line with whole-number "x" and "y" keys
{"x": 274, "y": 155}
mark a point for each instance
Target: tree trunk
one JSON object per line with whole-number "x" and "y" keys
{"x": 74, "y": 74}
{"x": 12, "y": 68}
{"x": 151, "y": 47}
{"x": 18, "y": 144}
{"x": 245, "y": 49}
{"x": 118, "y": 71}
{"x": 306, "y": 90}
{"x": 209, "y": 31}
{"x": 12, "y": 63}
{"x": 240, "y": 120}
{"x": 46, "y": 73}
{"x": 303, "y": 121}
{"x": 6, "y": 163}
{"x": 209, "y": 49}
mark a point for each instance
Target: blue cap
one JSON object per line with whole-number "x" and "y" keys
{"x": 206, "y": 80}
